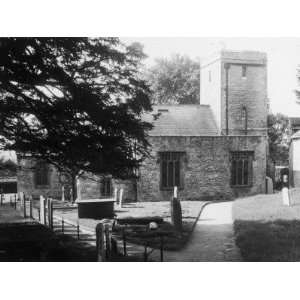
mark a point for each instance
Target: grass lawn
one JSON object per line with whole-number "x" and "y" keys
{"x": 265, "y": 230}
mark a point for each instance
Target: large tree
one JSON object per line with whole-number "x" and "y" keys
{"x": 278, "y": 136}
{"x": 75, "y": 103}
{"x": 175, "y": 80}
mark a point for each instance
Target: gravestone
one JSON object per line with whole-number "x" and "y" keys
{"x": 176, "y": 212}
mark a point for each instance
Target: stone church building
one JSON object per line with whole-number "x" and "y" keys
{"x": 216, "y": 149}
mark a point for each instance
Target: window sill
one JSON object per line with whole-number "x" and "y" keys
{"x": 242, "y": 186}
{"x": 171, "y": 188}
{"x": 42, "y": 186}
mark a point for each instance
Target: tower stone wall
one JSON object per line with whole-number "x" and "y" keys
{"x": 234, "y": 84}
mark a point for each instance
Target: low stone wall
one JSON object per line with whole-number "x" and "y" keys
{"x": 26, "y": 181}
{"x": 91, "y": 188}
{"x": 129, "y": 189}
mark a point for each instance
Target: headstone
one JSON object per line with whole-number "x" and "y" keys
{"x": 175, "y": 192}
{"x": 176, "y": 212}
{"x": 269, "y": 185}
{"x": 285, "y": 196}
{"x": 22, "y": 197}
{"x": 116, "y": 195}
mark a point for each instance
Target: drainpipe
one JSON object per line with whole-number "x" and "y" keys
{"x": 226, "y": 66}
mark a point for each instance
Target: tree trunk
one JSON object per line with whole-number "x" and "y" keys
{"x": 74, "y": 187}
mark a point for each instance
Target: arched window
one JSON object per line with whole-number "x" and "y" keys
{"x": 41, "y": 174}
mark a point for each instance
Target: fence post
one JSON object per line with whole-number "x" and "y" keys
{"x": 107, "y": 242}
{"x": 145, "y": 252}
{"x": 161, "y": 248}
{"x": 121, "y": 197}
{"x": 124, "y": 241}
{"x": 50, "y": 213}
{"x": 77, "y": 227}
{"x": 42, "y": 210}
{"x": 24, "y": 206}
{"x": 30, "y": 207}
{"x": 15, "y": 201}
{"x": 100, "y": 242}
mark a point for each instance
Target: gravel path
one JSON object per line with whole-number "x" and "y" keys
{"x": 212, "y": 239}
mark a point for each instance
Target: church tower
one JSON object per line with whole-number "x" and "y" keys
{"x": 234, "y": 84}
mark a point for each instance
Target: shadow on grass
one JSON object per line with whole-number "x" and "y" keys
{"x": 34, "y": 242}
{"x": 277, "y": 240}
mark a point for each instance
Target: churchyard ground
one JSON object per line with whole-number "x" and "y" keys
{"x": 190, "y": 214}
{"x": 265, "y": 229}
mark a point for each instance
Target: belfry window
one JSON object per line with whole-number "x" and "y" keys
{"x": 242, "y": 168}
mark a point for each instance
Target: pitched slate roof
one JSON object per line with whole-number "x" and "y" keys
{"x": 182, "y": 120}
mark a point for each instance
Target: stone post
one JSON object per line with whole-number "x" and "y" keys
{"x": 100, "y": 246}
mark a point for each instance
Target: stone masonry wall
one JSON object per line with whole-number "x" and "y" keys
{"x": 90, "y": 184}
{"x": 91, "y": 188}
{"x": 26, "y": 182}
{"x": 205, "y": 167}
{"x": 210, "y": 88}
{"x": 249, "y": 92}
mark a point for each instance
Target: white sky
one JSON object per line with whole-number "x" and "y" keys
{"x": 283, "y": 58}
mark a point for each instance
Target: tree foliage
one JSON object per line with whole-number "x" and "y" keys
{"x": 74, "y": 102}
{"x": 175, "y": 80}
{"x": 278, "y": 136}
